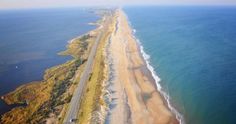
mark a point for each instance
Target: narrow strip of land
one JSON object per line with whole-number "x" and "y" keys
{"x": 75, "y": 101}
{"x": 74, "y": 106}
{"x": 134, "y": 97}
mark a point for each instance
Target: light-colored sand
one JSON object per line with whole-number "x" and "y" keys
{"x": 135, "y": 98}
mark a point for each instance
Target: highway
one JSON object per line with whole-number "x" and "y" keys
{"x": 76, "y": 98}
{"x": 73, "y": 109}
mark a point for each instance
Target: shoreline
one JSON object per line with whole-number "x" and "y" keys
{"x": 67, "y": 73}
{"x": 153, "y": 75}
{"x": 71, "y": 58}
{"x": 135, "y": 85}
{"x": 134, "y": 96}
{"x": 37, "y": 59}
{"x": 157, "y": 79}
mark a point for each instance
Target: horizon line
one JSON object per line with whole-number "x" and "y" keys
{"x": 113, "y": 6}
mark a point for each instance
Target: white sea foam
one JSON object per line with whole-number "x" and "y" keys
{"x": 159, "y": 88}
{"x": 146, "y": 57}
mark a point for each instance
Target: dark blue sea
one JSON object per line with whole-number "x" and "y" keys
{"x": 30, "y": 40}
{"x": 193, "y": 51}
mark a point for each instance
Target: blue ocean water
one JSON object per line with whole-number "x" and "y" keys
{"x": 30, "y": 40}
{"x": 193, "y": 51}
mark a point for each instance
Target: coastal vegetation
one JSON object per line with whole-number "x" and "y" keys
{"x": 47, "y": 100}
{"x": 92, "y": 104}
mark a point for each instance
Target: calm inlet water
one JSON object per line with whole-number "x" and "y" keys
{"x": 31, "y": 39}
{"x": 193, "y": 51}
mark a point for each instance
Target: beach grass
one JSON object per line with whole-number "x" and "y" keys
{"x": 92, "y": 100}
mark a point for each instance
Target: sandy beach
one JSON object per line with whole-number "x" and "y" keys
{"x": 135, "y": 98}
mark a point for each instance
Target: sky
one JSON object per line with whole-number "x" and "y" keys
{"x": 64, "y": 3}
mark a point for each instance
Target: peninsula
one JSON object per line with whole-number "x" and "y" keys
{"x": 107, "y": 81}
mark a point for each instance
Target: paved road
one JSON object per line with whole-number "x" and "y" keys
{"x": 76, "y": 98}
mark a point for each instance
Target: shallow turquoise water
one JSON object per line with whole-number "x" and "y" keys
{"x": 193, "y": 51}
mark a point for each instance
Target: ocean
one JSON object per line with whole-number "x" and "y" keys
{"x": 30, "y": 40}
{"x": 193, "y": 52}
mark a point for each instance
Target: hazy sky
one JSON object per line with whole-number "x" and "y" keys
{"x": 55, "y": 3}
